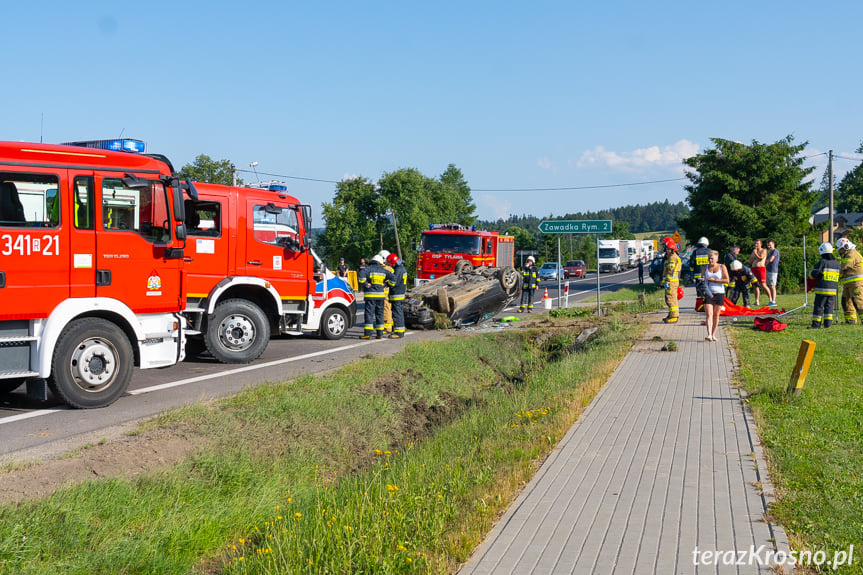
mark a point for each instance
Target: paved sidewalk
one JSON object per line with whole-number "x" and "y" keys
{"x": 665, "y": 459}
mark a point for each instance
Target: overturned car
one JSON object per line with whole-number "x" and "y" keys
{"x": 467, "y": 296}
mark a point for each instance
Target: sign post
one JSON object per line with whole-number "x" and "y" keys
{"x": 577, "y": 227}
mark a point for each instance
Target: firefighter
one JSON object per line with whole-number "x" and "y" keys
{"x": 375, "y": 279}
{"x": 742, "y": 280}
{"x": 529, "y": 282}
{"x": 388, "y": 308}
{"x": 826, "y": 276}
{"x": 397, "y": 295}
{"x": 851, "y": 279}
{"x": 697, "y": 264}
{"x": 671, "y": 279}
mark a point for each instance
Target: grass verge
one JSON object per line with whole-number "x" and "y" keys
{"x": 388, "y": 465}
{"x": 813, "y": 441}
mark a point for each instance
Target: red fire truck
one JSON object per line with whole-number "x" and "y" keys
{"x": 443, "y": 246}
{"x": 251, "y": 272}
{"x": 91, "y": 281}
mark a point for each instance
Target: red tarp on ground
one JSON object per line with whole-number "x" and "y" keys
{"x": 731, "y": 309}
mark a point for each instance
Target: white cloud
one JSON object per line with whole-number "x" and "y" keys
{"x": 544, "y": 163}
{"x": 492, "y": 208}
{"x": 640, "y": 158}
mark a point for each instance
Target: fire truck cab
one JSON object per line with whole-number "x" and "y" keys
{"x": 251, "y": 272}
{"x": 91, "y": 255}
{"x": 443, "y": 246}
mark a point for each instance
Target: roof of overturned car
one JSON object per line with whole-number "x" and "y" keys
{"x": 467, "y": 296}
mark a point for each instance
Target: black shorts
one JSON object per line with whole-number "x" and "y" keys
{"x": 715, "y": 299}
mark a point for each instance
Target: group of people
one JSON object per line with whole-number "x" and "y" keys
{"x": 385, "y": 283}
{"x": 712, "y": 277}
{"x": 831, "y": 273}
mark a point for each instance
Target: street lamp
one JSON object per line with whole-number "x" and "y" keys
{"x": 253, "y": 165}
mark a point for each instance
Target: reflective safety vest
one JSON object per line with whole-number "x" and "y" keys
{"x": 671, "y": 269}
{"x": 397, "y": 292}
{"x": 698, "y": 262}
{"x": 376, "y": 279}
{"x": 851, "y": 265}
{"x": 529, "y": 278}
{"x": 826, "y": 276}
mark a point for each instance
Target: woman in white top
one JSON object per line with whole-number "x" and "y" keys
{"x": 715, "y": 276}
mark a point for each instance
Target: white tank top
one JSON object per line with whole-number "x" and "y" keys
{"x": 714, "y": 287}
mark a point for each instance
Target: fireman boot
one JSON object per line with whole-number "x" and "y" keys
{"x": 379, "y": 333}
{"x": 816, "y": 323}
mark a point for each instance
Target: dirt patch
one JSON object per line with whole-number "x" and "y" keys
{"x": 126, "y": 457}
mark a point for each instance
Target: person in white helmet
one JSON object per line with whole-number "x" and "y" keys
{"x": 375, "y": 278}
{"x": 826, "y": 276}
{"x": 851, "y": 279}
{"x": 529, "y": 282}
{"x": 741, "y": 280}
{"x": 698, "y": 262}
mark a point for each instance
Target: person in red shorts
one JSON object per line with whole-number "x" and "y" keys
{"x": 758, "y": 263}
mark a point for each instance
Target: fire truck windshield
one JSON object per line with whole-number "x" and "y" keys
{"x": 451, "y": 244}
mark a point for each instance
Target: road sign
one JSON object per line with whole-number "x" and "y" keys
{"x": 676, "y": 237}
{"x": 575, "y": 227}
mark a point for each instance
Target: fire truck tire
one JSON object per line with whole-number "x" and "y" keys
{"x": 509, "y": 280}
{"x": 237, "y": 332}
{"x": 92, "y": 364}
{"x": 443, "y": 301}
{"x": 463, "y": 267}
{"x": 334, "y": 323}
{"x": 9, "y": 385}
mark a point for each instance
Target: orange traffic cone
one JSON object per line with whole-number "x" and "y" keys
{"x": 546, "y": 301}
{"x": 546, "y": 294}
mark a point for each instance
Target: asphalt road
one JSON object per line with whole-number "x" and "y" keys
{"x": 32, "y": 429}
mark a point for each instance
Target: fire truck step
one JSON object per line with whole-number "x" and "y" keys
{"x": 17, "y": 339}
{"x": 11, "y": 374}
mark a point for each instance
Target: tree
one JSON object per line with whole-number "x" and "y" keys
{"x": 205, "y": 169}
{"x": 740, "y": 192}
{"x": 849, "y": 196}
{"x": 359, "y": 221}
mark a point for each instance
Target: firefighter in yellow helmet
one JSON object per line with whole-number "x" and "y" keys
{"x": 851, "y": 279}
{"x": 671, "y": 279}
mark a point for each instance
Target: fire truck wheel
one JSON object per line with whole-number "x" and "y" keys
{"x": 9, "y": 385}
{"x": 463, "y": 267}
{"x": 238, "y": 331}
{"x": 92, "y": 364}
{"x": 509, "y": 280}
{"x": 334, "y": 323}
{"x": 443, "y": 301}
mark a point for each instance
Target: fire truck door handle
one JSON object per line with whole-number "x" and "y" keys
{"x": 103, "y": 278}
{"x": 188, "y": 259}
{"x": 255, "y": 263}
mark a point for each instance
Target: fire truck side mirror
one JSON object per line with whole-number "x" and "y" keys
{"x": 180, "y": 232}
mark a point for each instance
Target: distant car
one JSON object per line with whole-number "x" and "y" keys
{"x": 574, "y": 269}
{"x": 549, "y": 271}
{"x": 655, "y": 269}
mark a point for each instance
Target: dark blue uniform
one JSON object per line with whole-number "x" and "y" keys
{"x": 529, "y": 282}
{"x": 374, "y": 278}
{"x": 826, "y": 276}
{"x": 397, "y": 299}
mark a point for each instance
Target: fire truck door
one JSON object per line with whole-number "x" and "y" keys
{"x": 134, "y": 225}
{"x": 34, "y": 245}
{"x": 273, "y": 249}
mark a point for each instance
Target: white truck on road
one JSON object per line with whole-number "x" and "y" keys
{"x": 612, "y": 255}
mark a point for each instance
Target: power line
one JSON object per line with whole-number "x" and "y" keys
{"x": 847, "y": 158}
{"x": 289, "y": 177}
{"x": 578, "y": 187}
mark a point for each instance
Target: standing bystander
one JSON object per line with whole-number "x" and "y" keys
{"x": 757, "y": 261}
{"x": 715, "y": 278}
{"x": 342, "y": 270}
{"x": 772, "y": 267}
{"x": 731, "y": 256}
{"x": 640, "y": 272}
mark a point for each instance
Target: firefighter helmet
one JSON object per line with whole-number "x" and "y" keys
{"x": 825, "y": 248}
{"x": 736, "y": 265}
{"x": 384, "y": 254}
{"x": 530, "y": 259}
{"x": 377, "y": 258}
{"x": 669, "y": 243}
{"x": 702, "y": 241}
{"x": 392, "y": 259}
{"x": 844, "y": 244}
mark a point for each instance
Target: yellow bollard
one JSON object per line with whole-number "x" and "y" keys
{"x": 801, "y": 368}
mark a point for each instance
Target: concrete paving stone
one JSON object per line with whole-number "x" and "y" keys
{"x": 664, "y": 459}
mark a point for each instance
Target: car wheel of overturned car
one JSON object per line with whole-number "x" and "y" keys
{"x": 463, "y": 266}
{"x": 509, "y": 280}
{"x": 443, "y": 301}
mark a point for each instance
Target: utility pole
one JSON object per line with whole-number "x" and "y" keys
{"x": 396, "y": 230}
{"x": 830, "y": 179}
{"x": 233, "y": 175}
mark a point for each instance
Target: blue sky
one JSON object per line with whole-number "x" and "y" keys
{"x": 517, "y": 95}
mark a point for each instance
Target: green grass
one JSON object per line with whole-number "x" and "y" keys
{"x": 386, "y": 466}
{"x": 814, "y": 440}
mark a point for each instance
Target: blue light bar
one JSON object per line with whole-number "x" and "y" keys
{"x": 118, "y": 145}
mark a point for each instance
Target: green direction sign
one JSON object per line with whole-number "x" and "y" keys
{"x": 575, "y": 227}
